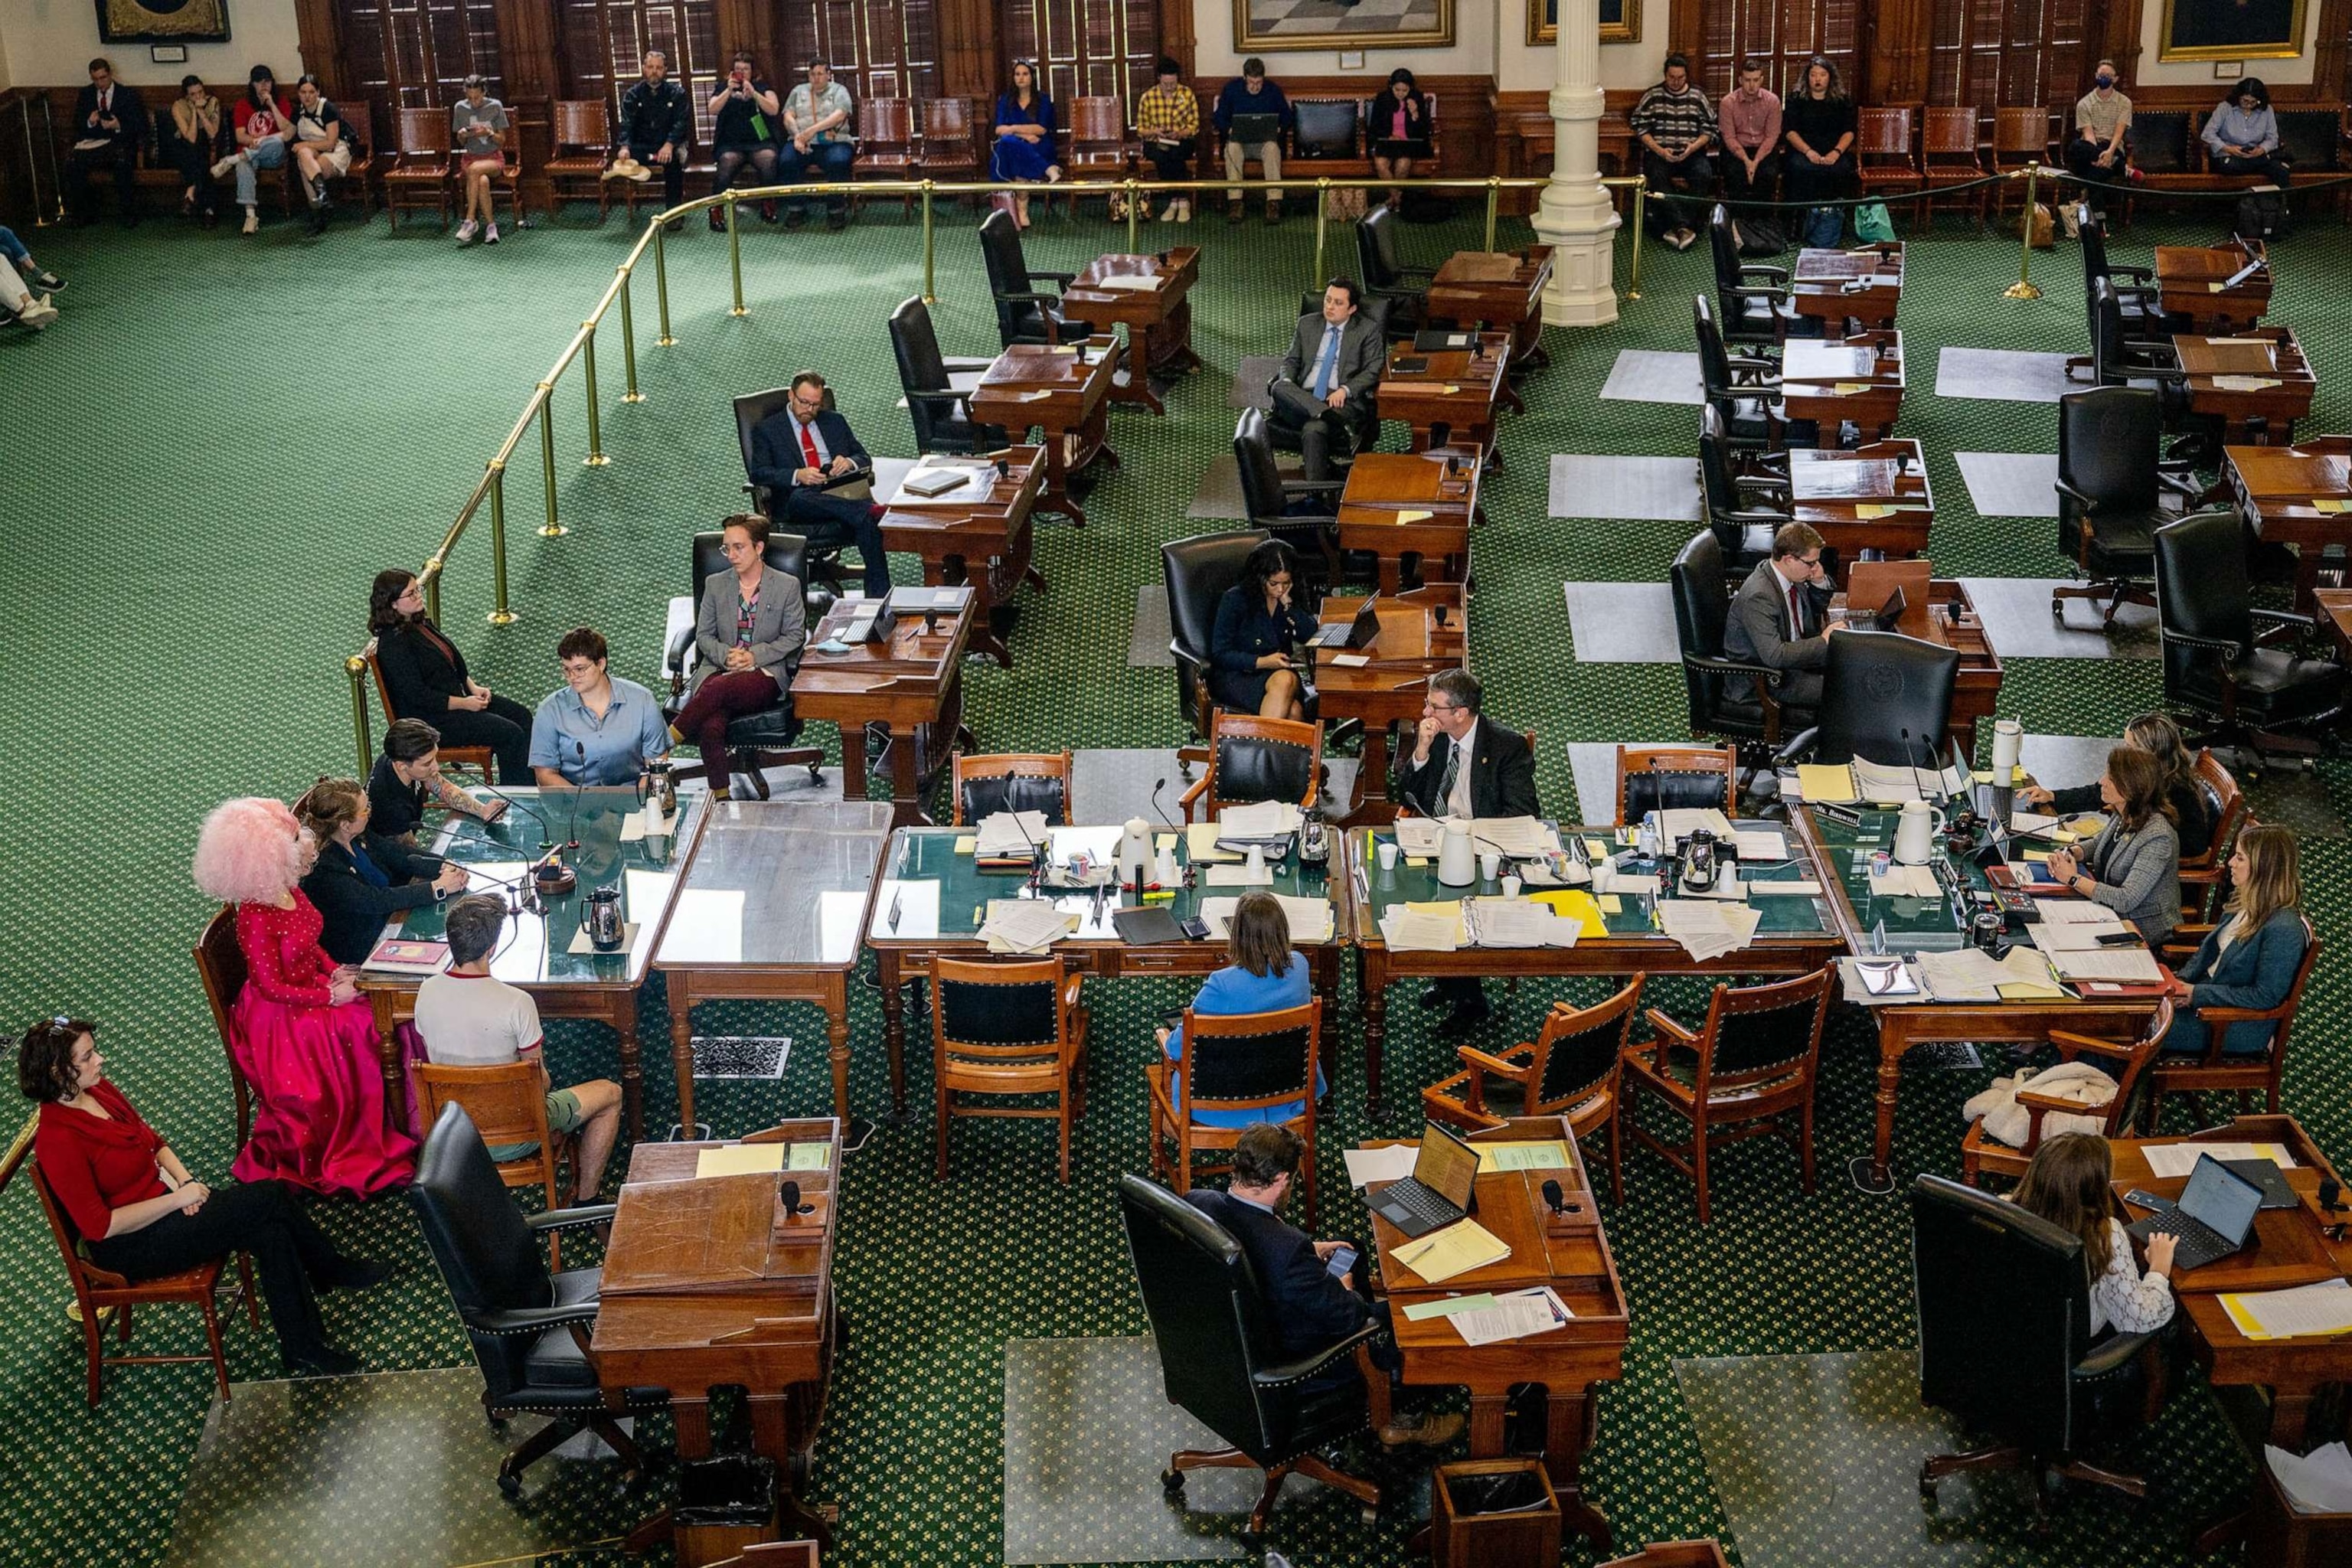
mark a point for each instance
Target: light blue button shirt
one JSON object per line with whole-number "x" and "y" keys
{"x": 631, "y": 733}
{"x": 1326, "y": 361}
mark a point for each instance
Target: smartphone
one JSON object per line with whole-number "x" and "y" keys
{"x": 1342, "y": 1262}
{"x": 2121, "y": 939}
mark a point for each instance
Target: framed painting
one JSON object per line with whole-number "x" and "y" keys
{"x": 162, "y": 21}
{"x": 1262, "y": 27}
{"x": 1621, "y": 21}
{"x": 2232, "y": 30}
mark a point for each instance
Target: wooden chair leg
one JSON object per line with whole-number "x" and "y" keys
{"x": 944, "y": 1095}
{"x": 213, "y": 1338}
{"x": 123, "y": 1324}
{"x": 1273, "y": 1480}
{"x": 94, "y": 1347}
{"x": 1698, "y": 1163}
{"x": 1617, "y": 1152}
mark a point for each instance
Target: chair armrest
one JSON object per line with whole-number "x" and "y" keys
{"x": 2285, "y": 619}
{"x": 2111, "y": 1357}
{"x": 2067, "y": 1039}
{"x": 1714, "y": 665}
{"x": 1762, "y": 516}
{"x": 1473, "y": 1057}
{"x": 1298, "y": 1370}
{"x": 1029, "y": 297}
{"x": 1762, "y": 484}
{"x": 531, "y": 1321}
{"x": 2179, "y": 484}
{"x": 2221, "y": 1016}
{"x": 2088, "y": 505}
{"x": 1764, "y": 362}
{"x": 1312, "y": 486}
{"x": 2218, "y": 644}
{"x": 950, "y": 397}
{"x": 1063, "y": 279}
{"x": 1070, "y": 989}
{"x": 1184, "y": 802}
{"x": 674, "y": 659}
{"x": 1800, "y": 745}
{"x": 571, "y": 1218}
{"x": 2027, "y": 1097}
{"x": 1774, "y": 275}
{"x": 1667, "y": 1027}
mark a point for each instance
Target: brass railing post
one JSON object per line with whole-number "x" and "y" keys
{"x": 735, "y": 256}
{"x": 595, "y": 458}
{"x": 57, "y": 180}
{"x": 661, "y": 287}
{"x": 501, "y": 614}
{"x": 551, "y": 529}
{"x": 32, "y": 163}
{"x": 629, "y": 340}
{"x": 1322, "y": 206}
{"x": 355, "y": 667}
{"x": 1134, "y": 197}
{"x": 930, "y": 287}
{"x": 2024, "y": 288}
{"x": 1641, "y": 201}
{"x": 432, "y": 575}
{"x": 1494, "y": 204}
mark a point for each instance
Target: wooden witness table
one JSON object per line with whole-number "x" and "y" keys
{"x": 1498, "y": 289}
{"x": 1154, "y": 310}
{"x": 1839, "y": 379}
{"x": 1863, "y": 286}
{"x": 1063, "y": 390}
{"x": 1446, "y": 398}
{"x": 1421, "y": 632}
{"x": 539, "y": 954}
{"x": 2187, "y": 279}
{"x": 1873, "y": 499}
{"x": 975, "y": 535}
{"x": 2299, "y": 495}
{"x": 1949, "y": 618}
{"x": 707, "y": 1284}
{"x": 1576, "y": 1263}
{"x": 771, "y": 911}
{"x": 1404, "y": 505}
{"x": 913, "y": 687}
{"x": 2258, "y": 375}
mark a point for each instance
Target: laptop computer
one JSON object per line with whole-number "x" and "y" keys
{"x": 2213, "y": 1219}
{"x": 1251, "y": 129}
{"x": 1437, "y": 1194}
{"x": 1890, "y": 614}
{"x": 1357, "y": 633}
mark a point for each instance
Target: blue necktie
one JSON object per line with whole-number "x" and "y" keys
{"x": 1325, "y": 361}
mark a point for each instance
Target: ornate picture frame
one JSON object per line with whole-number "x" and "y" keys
{"x": 2232, "y": 30}
{"x": 1269, "y": 26}
{"x": 1621, "y": 21}
{"x": 162, "y": 21}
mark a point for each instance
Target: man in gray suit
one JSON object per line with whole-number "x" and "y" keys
{"x": 749, "y": 629}
{"x": 1780, "y": 615}
{"x": 1324, "y": 390}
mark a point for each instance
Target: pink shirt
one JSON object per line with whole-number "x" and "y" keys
{"x": 1749, "y": 124}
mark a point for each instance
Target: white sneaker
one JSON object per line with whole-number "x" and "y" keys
{"x": 466, "y": 230}
{"x": 490, "y": 234}
{"x": 220, "y": 171}
{"x": 1168, "y": 213}
{"x": 252, "y": 221}
{"x": 1184, "y": 210}
{"x": 36, "y": 314}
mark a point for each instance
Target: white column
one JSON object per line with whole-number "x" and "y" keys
{"x": 1574, "y": 215}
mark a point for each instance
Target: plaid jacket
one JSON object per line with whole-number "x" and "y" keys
{"x": 1172, "y": 112}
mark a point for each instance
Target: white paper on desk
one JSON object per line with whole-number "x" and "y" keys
{"x": 2169, "y": 1160}
{"x": 1520, "y": 837}
{"x": 1783, "y": 887}
{"x": 2322, "y": 1308}
{"x": 1678, "y": 823}
{"x": 1201, "y": 844}
{"x": 1259, "y": 819}
{"x": 1008, "y": 835}
{"x": 2132, "y": 965}
{"x": 1708, "y": 931}
{"x": 1970, "y": 975}
{"x": 1349, "y": 661}
{"x": 1607, "y": 878}
{"x": 2071, "y": 924}
{"x": 1515, "y": 1315}
{"x": 1138, "y": 281}
{"x": 1873, "y": 780}
{"x": 1309, "y": 919}
{"x": 1761, "y": 844}
{"x": 1237, "y": 877}
{"x": 2320, "y": 1482}
{"x": 1393, "y": 1163}
{"x": 1410, "y": 931}
{"x": 2031, "y": 822}
{"x": 1905, "y": 883}
{"x": 1023, "y": 925}
{"x": 1520, "y": 922}
{"x": 1422, "y": 837}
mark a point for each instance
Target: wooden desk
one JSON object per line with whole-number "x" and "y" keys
{"x": 2185, "y": 279}
{"x": 2268, "y": 354}
{"x": 2336, "y": 619}
{"x": 974, "y": 525}
{"x": 706, "y": 1286}
{"x": 1818, "y": 285}
{"x": 538, "y": 955}
{"x": 1872, "y": 500}
{"x": 1589, "y": 1349}
{"x": 1062, "y": 390}
{"x": 914, "y": 687}
{"x": 2297, "y": 1371}
{"x": 1400, "y": 505}
{"x": 1159, "y": 317}
{"x": 1796, "y": 936}
{"x": 1447, "y": 398}
{"x": 1839, "y": 378}
{"x": 1949, "y": 619}
{"x": 1390, "y": 691}
{"x": 1500, "y": 290}
{"x": 1914, "y": 923}
{"x": 772, "y": 910}
{"x": 2299, "y": 495}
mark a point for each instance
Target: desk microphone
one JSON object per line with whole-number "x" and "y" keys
{"x": 789, "y": 1196}
{"x": 1552, "y": 1195}
{"x": 1161, "y": 813}
{"x": 545, "y": 842}
{"x": 572, "y": 833}
{"x": 1911, "y": 761}
{"x": 1037, "y": 854}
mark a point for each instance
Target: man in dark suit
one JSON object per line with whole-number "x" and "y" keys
{"x": 1309, "y": 1306}
{"x": 1466, "y": 765}
{"x": 109, "y": 127}
{"x": 802, "y": 453}
{"x": 1780, "y": 618}
{"x": 1324, "y": 390}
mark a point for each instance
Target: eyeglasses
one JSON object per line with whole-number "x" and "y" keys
{"x": 1813, "y": 559}
{"x": 1431, "y": 705}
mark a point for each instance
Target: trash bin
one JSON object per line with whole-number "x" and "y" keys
{"x": 1493, "y": 1513}
{"x": 724, "y": 1505}
{"x": 2278, "y": 1537}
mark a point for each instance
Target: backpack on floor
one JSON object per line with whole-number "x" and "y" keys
{"x": 1758, "y": 238}
{"x": 1824, "y": 228}
{"x": 1873, "y": 223}
{"x": 2262, "y": 215}
{"x": 2040, "y": 227}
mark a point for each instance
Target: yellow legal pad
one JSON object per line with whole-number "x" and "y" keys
{"x": 1825, "y": 783}
{"x": 1201, "y": 844}
{"x": 739, "y": 1160}
{"x": 1457, "y": 1249}
{"x": 2331, "y": 504}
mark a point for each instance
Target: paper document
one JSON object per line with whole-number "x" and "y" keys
{"x": 1878, "y": 782}
{"x": 1458, "y": 1248}
{"x": 1532, "y": 1155}
{"x": 1259, "y": 819}
{"x": 1520, "y": 922}
{"x": 1514, "y": 1316}
{"x": 1824, "y": 785}
{"x": 1970, "y": 975}
{"x": 1607, "y": 878}
{"x": 1905, "y": 882}
{"x": 1392, "y": 1163}
{"x": 1310, "y": 918}
{"x": 1137, "y": 281}
{"x": 2169, "y": 1160}
{"x": 1784, "y": 888}
{"x": 1408, "y": 929}
{"x": 2132, "y": 965}
{"x": 2319, "y": 1483}
{"x": 1419, "y": 1312}
{"x": 1761, "y": 844}
{"x": 1679, "y": 823}
{"x": 2071, "y": 924}
{"x": 1423, "y": 835}
{"x": 1201, "y": 844}
{"x": 1010, "y": 834}
{"x": 2031, "y": 822}
{"x": 1520, "y": 837}
{"x": 1025, "y": 925}
{"x": 1708, "y": 930}
{"x": 1576, "y": 905}
{"x": 1237, "y": 877}
{"x": 2322, "y": 1308}
{"x": 739, "y": 1160}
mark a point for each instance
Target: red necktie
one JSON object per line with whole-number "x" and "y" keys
{"x": 808, "y": 447}
{"x": 1796, "y": 621}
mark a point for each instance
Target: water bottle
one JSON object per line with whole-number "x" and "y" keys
{"x": 1648, "y": 837}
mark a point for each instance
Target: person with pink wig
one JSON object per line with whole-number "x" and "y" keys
{"x": 301, "y": 1034}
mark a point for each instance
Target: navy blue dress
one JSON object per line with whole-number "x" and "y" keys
{"x": 1017, "y": 157}
{"x": 1244, "y": 634}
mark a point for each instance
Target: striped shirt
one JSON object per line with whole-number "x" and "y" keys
{"x": 1673, "y": 120}
{"x": 1167, "y": 111}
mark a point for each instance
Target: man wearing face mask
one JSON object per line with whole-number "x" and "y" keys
{"x": 2096, "y": 151}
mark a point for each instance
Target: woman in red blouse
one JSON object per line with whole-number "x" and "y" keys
{"x": 301, "y": 1034}
{"x": 141, "y": 1215}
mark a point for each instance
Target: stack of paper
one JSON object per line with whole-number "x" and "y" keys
{"x": 1761, "y": 844}
{"x": 1420, "y": 837}
{"x": 1310, "y": 918}
{"x": 1520, "y": 837}
{"x": 1520, "y": 922}
{"x": 1970, "y": 975}
{"x": 1409, "y": 930}
{"x": 1607, "y": 878}
{"x": 2070, "y": 923}
{"x": 1201, "y": 844}
{"x": 1141, "y": 282}
{"x": 1259, "y": 822}
{"x": 1678, "y": 824}
{"x": 1514, "y": 1315}
{"x": 1876, "y": 781}
{"x": 1825, "y": 783}
{"x": 2322, "y": 1308}
{"x": 1010, "y": 836}
{"x": 2319, "y": 1483}
{"x": 1905, "y": 882}
{"x": 1525, "y": 1155}
{"x": 2069, "y": 933}
{"x": 1025, "y": 925}
{"x": 2170, "y": 1160}
{"x": 1708, "y": 930}
{"x": 2132, "y": 965}
{"x": 1238, "y": 877}
{"x": 1393, "y": 1163}
{"x": 1458, "y": 1248}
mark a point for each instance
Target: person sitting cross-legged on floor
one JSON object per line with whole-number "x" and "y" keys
{"x": 750, "y": 627}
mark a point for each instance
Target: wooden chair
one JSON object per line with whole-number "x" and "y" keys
{"x": 220, "y": 966}
{"x": 1235, "y": 1062}
{"x": 2215, "y": 1069}
{"x": 886, "y": 146}
{"x": 951, "y": 145}
{"x": 1948, "y": 155}
{"x": 1751, "y": 1066}
{"x": 1573, "y": 1069}
{"x": 1883, "y": 157}
{"x": 2021, "y": 137}
{"x": 479, "y": 758}
{"x": 1657, "y": 778}
{"x": 98, "y": 1292}
{"x": 359, "y": 118}
{"x": 1013, "y": 781}
{"x": 1008, "y": 1029}
{"x": 508, "y": 1106}
{"x": 1100, "y": 148}
{"x": 2204, "y": 878}
{"x": 582, "y": 134}
{"x": 1981, "y": 1152}
{"x": 422, "y": 168}
{"x": 1253, "y": 759}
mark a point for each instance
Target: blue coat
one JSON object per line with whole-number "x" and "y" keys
{"x": 2255, "y": 973}
{"x": 1233, "y": 990}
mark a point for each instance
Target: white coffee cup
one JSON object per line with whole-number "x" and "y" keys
{"x": 1511, "y": 886}
{"x": 1490, "y": 864}
{"x": 1388, "y": 854}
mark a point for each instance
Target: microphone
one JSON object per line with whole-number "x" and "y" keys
{"x": 545, "y": 842}
{"x": 1552, "y": 1195}
{"x": 1911, "y": 762}
{"x": 1036, "y": 853}
{"x": 571, "y": 834}
{"x": 789, "y": 1196}
{"x": 1160, "y": 812}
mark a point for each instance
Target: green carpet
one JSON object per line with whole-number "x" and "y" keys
{"x": 223, "y": 440}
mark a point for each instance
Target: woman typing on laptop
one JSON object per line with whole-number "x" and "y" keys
{"x": 2070, "y": 1183}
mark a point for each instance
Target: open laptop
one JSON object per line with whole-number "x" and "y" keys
{"x": 1437, "y": 1194}
{"x": 2213, "y": 1219}
{"x": 1889, "y": 616}
{"x": 1357, "y": 633}
{"x": 1251, "y": 129}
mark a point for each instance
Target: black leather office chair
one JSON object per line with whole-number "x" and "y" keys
{"x": 1365, "y": 433}
{"x": 2134, "y": 287}
{"x": 2111, "y": 479}
{"x": 2216, "y": 663}
{"x": 1301, "y": 513}
{"x": 1702, "y": 606}
{"x": 1405, "y": 290}
{"x": 824, "y": 551}
{"x": 528, "y": 1328}
{"x": 2004, "y": 1308}
{"x": 937, "y": 386}
{"x": 1885, "y": 697}
{"x": 1197, "y": 571}
{"x": 1743, "y": 389}
{"x": 1754, "y": 297}
{"x": 754, "y": 741}
{"x": 2119, "y": 359}
{"x": 1219, "y": 1363}
{"x": 1371, "y": 305}
{"x": 1743, "y": 511}
{"x": 1025, "y": 313}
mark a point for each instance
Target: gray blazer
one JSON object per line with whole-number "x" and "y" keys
{"x": 779, "y": 628}
{"x": 1363, "y": 355}
{"x": 2138, "y": 874}
{"x": 1758, "y": 633}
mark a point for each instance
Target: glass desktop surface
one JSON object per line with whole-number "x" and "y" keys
{"x": 1911, "y": 923}
{"x": 1781, "y": 914}
{"x": 778, "y": 883}
{"x": 929, "y": 891}
{"x": 535, "y": 950}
